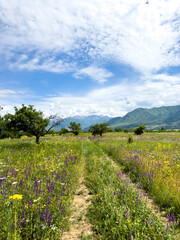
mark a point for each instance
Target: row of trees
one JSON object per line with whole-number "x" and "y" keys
{"x": 28, "y": 121}
{"x": 97, "y": 129}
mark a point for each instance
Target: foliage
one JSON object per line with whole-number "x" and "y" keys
{"x": 109, "y": 129}
{"x": 64, "y": 130}
{"x": 163, "y": 129}
{"x": 153, "y": 161}
{"x": 98, "y": 129}
{"x": 126, "y": 130}
{"x": 118, "y": 129}
{"x": 75, "y": 127}
{"x": 37, "y": 183}
{"x": 139, "y": 130}
{"x": 28, "y": 120}
{"x": 130, "y": 139}
{"x": 117, "y": 211}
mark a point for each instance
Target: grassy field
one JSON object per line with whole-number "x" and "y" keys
{"x": 38, "y": 183}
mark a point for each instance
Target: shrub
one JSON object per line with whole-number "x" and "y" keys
{"x": 130, "y": 139}
{"x": 139, "y": 130}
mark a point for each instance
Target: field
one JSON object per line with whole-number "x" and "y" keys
{"x": 134, "y": 188}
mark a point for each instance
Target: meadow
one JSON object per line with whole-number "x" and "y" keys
{"x": 38, "y": 182}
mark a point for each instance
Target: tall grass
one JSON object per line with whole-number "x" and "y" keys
{"x": 37, "y": 183}
{"x": 117, "y": 211}
{"x": 154, "y": 162}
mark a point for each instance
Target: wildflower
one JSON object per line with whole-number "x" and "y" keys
{"x": 127, "y": 214}
{"x": 53, "y": 227}
{"x": 171, "y": 218}
{"x": 35, "y": 200}
{"x": 16, "y": 196}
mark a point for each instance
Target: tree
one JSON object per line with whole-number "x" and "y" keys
{"x": 64, "y": 131}
{"x": 75, "y": 127}
{"x": 27, "y": 119}
{"x": 118, "y": 129}
{"x": 163, "y": 129}
{"x": 139, "y": 130}
{"x": 98, "y": 129}
{"x": 1, "y": 122}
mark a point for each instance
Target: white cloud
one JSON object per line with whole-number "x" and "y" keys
{"x": 6, "y": 93}
{"x": 144, "y": 36}
{"x": 46, "y": 63}
{"x": 114, "y": 100}
{"x": 95, "y": 73}
{"x": 10, "y": 98}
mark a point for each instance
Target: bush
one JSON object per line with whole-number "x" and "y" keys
{"x": 118, "y": 130}
{"x": 63, "y": 131}
{"x": 130, "y": 139}
{"x": 139, "y": 130}
{"x": 75, "y": 128}
{"x": 98, "y": 129}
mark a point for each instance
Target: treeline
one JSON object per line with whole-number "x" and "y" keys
{"x": 28, "y": 121}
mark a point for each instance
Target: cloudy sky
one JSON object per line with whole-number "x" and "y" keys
{"x": 80, "y": 57}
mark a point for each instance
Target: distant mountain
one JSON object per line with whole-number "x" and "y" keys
{"x": 154, "y": 118}
{"x": 85, "y": 121}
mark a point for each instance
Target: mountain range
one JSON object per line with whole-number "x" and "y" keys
{"x": 85, "y": 121}
{"x": 154, "y": 118}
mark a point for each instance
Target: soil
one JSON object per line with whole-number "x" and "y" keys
{"x": 80, "y": 228}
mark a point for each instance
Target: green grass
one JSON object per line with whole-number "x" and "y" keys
{"x": 38, "y": 183}
{"x": 44, "y": 176}
{"x": 117, "y": 211}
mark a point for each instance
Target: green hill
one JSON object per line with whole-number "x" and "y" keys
{"x": 155, "y": 118}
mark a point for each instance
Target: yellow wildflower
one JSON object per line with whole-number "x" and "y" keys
{"x": 15, "y": 196}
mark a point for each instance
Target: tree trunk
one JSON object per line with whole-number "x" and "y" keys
{"x": 37, "y": 139}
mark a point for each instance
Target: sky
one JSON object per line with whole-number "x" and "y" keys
{"x": 103, "y": 57}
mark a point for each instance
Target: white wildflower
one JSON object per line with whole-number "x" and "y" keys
{"x": 53, "y": 227}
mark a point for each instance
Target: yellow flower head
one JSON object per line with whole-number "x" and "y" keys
{"x": 15, "y": 196}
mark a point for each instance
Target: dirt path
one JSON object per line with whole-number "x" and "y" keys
{"x": 80, "y": 228}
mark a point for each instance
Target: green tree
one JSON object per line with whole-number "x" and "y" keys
{"x": 118, "y": 129}
{"x": 163, "y": 129}
{"x": 64, "y": 130}
{"x": 139, "y": 130}
{"x": 29, "y": 120}
{"x": 98, "y": 129}
{"x": 75, "y": 127}
{"x": 1, "y": 122}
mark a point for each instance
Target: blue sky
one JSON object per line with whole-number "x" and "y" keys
{"x": 79, "y": 57}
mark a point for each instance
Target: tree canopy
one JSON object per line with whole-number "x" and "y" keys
{"x": 75, "y": 127}
{"x": 27, "y": 119}
{"x": 98, "y": 129}
{"x": 139, "y": 130}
